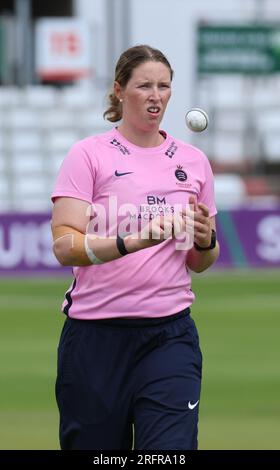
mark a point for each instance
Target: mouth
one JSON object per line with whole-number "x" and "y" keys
{"x": 154, "y": 110}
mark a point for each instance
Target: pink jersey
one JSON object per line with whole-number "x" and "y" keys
{"x": 136, "y": 184}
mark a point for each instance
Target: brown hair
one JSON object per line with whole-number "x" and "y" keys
{"x": 128, "y": 61}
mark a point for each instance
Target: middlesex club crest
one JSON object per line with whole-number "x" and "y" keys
{"x": 180, "y": 174}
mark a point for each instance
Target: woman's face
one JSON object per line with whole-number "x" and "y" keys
{"x": 146, "y": 95}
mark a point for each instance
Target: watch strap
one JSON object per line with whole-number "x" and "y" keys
{"x": 121, "y": 246}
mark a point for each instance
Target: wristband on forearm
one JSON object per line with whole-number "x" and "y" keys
{"x": 121, "y": 246}
{"x": 90, "y": 254}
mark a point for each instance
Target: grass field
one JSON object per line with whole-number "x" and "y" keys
{"x": 238, "y": 317}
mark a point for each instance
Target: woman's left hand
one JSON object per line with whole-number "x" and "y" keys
{"x": 201, "y": 223}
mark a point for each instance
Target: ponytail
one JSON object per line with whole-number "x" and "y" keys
{"x": 114, "y": 112}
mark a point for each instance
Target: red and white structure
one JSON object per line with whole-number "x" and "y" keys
{"x": 63, "y": 49}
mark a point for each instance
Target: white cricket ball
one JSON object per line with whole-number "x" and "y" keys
{"x": 197, "y": 119}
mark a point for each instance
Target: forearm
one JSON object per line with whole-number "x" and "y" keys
{"x": 74, "y": 248}
{"x": 199, "y": 261}
{"x": 69, "y": 247}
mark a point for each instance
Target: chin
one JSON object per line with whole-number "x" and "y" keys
{"x": 153, "y": 126}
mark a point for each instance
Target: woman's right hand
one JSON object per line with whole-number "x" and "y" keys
{"x": 156, "y": 231}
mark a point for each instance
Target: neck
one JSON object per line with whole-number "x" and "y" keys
{"x": 141, "y": 138}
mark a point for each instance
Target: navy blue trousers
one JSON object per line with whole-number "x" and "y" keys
{"x": 114, "y": 375}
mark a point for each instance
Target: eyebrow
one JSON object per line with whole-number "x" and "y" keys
{"x": 148, "y": 82}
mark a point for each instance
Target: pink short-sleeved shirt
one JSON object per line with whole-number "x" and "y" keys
{"x": 128, "y": 185}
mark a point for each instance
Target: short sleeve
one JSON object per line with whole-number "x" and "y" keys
{"x": 207, "y": 194}
{"x": 76, "y": 176}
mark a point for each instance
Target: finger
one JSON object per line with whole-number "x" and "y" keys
{"x": 158, "y": 221}
{"x": 193, "y": 203}
{"x": 204, "y": 209}
{"x": 197, "y": 217}
{"x": 202, "y": 239}
{"x": 162, "y": 226}
{"x": 188, "y": 214}
{"x": 155, "y": 231}
{"x": 179, "y": 224}
{"x": 198, "y": 228}
{"x": 199, "y": 231}
{"x": 201, "y": 228}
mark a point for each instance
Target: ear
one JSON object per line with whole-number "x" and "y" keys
{"x": 117, "y": 90}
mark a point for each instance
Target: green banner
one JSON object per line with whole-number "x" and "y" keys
{"x": 238, "y": 49}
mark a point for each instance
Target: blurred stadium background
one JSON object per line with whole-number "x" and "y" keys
{"x": 56, "y": 66}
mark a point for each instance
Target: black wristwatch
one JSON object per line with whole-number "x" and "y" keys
{"x": 121, "y": 246}
{"x": 212, "y": 244}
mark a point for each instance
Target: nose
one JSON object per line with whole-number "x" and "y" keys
{"x": 155, "y": 95}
